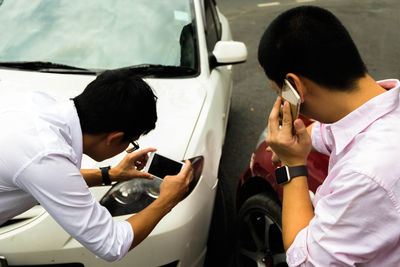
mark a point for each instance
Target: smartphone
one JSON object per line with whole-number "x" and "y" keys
{"x": 160, "y": 166}
{"x": 290, "y": 94}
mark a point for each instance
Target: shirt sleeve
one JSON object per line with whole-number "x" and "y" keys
{"x": 318, "y": 138}
{"x": 57, "y": 184}
{"x": 351, "y": 226}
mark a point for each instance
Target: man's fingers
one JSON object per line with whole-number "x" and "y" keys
{"x": 187, "y": 168}
{"x": 145, "y": 151}
{"x": 301, "y": 129}
{"x": 287, "y": 119}
{"x": 141, "y": 153}
{"x": 189, "y": 177}
{"x": 187, "y": 173}
{"x": 275, "y": 159}
{"x": 273, "y": 119}
{"x": 145, "y": 175}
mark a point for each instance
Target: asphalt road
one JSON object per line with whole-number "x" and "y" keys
{"x": 373, "y": 24}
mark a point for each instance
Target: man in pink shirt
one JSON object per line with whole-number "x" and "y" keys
{"x": 354, "y": 219}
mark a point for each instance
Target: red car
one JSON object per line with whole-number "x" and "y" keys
{"x": 259, "y": 198}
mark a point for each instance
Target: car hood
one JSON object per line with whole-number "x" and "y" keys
{"x": 178, "y": 106}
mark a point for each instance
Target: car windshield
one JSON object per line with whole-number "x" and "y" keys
{"x": 97, "y": 35}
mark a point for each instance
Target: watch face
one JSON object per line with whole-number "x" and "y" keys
{"x": 281, "y": 175}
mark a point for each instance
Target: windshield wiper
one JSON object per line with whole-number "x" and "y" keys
{"x": 161, "y": 71}
{"x": 143, "y": 70}
{"x": 44, "y": 66}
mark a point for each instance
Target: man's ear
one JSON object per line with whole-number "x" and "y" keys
{"x": 298, "y": 84}
{"x": 114, "y": 137}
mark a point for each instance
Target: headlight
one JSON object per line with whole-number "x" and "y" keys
{"x": 131, "y": 196}
{"x": 135, "y": 195}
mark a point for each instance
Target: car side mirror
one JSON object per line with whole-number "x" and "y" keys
{"x": 228, "y": 53}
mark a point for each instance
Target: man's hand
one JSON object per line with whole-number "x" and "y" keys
{"x": 291, "y": 149}
{"x": 131, "y": 165}
{"x": 174, "y": 188}
{"x": 274, "y": 158}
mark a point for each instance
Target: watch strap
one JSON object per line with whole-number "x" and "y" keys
{"x": 285, "y": 173}
{"x": 297, "y": 171}
{"x": 105, "y": 175}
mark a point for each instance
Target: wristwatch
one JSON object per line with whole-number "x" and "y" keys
{"x": 105, "y": 175}
{"x": 285, "y": 173}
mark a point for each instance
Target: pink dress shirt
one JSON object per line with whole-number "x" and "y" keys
{"x": 357, "y": 208}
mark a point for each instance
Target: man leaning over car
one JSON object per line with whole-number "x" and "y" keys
{"x": 42, "y": 142}
{"x": 355, "y": 216}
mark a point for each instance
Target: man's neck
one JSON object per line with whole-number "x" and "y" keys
{"x": 336, "y": 104}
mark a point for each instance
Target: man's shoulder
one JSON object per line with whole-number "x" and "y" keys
{"x": 32, "y": 133}
{"x": 376, "y": 154}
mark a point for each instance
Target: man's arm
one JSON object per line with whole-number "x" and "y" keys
{"x": 63, "y": 193}
{"x": 127, "y": 169}
{"x": 292, "y": 150}
{"x": 297, "y": 209}
{"x": 172, "y": 190}
{"x": 92, "y": 177}
{"x": 65, "y": 196}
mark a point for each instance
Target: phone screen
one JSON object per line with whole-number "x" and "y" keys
{"x": 162, "y": 166}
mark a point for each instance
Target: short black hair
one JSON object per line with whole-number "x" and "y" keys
{"x": 310, "y": 41}
{"x": 117, "y": 101}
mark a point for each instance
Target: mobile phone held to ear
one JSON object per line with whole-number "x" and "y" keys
{"x": 290, "y": 94}
{"x": 160, "y": 166}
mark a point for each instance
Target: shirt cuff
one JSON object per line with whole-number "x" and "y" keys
{"x": 128, "y": 239}
{"x": 296, "y": 255}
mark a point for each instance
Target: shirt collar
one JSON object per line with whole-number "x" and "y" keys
{"x": 346, "y": 129}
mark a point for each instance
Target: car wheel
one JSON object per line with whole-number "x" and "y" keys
{"x": 259, "y": 233}
{"x": 220, "y": 240}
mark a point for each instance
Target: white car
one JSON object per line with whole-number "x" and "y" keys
{"x": 184, "y": 50}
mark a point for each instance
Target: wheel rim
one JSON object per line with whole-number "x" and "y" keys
{"x": 260, "y": 241}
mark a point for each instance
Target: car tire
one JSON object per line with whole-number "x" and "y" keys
{"x": 259, "y": 233}
{"x": 220, "y": 245}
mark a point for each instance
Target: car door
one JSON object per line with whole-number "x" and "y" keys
{"x": 220, "y": 77}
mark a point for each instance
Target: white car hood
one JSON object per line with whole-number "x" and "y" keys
{"x": 178, "y": 106}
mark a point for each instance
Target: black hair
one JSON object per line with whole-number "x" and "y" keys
{"x": 117, "y": 101}
{"x": 310, "y": 41}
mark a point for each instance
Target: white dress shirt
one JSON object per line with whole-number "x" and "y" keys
{"x": 357, "y": 208}
{"x": 40, "y": 160}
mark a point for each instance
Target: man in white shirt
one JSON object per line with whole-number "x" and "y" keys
{"x": 42, "y": 142}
